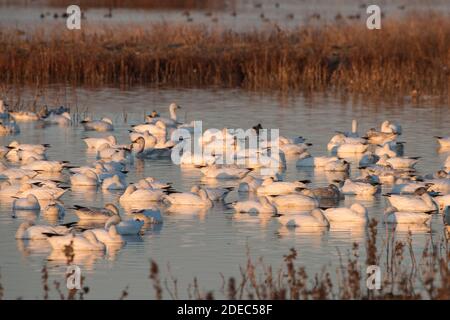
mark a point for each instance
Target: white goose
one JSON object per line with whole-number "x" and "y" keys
{"x": 275, "y": 188}
{"x": 3, "y": 110}
{"x": 125, "y": 227}
{"x": 24, "y": 116}
{"x": 113, "y": 183}
{"x": 150, "y": 140}
{"x": 63, "y": 119}
{"x": 391, "y": 127}
{"x": 30, "y": 202}
{"x": 414, "y": 203}
{"x": 15, "y": 173}
{"x": 152, "y": 183}
{"x": 45, "y": 165}
{"x": 41, "y": 191}
{"x": 249, "y": 184}
{"x": 293, "y": 148}
{"x": 224, "y": 172}
{"x": 399, "y": 162}
{"x": 338, "y": 165}
{"x": 82, "y": 242}
{"x": 172, "y": 121}
{"x": 385, "y": 150}
{"x": 133, "y": 194}
{"x": 409, "y": 187}
{"x": 87, "y": 179}
{"x": 441, "y": 185}
{"x": 214, "y": 194}
{"x": 444, "y": 142}
{"x": 29, "y": 231}
{"x": 157, "y": 129}
{"x": 36, "y": 148}
{"x": 301, "y": 202}
{"x": 102, "y": 125}
{"x": 314, "y": 219}
{"x": 162, "y": 151}
{"x": 8, "y": 189}
{"x": 55, "y": 210}
{"x": 356, "y": 213}
{"x": 443, "y": 202}
{"x": 200, "y": 199}
{"x": 149, "y": 216}
{"x": 189, "y": 159}
{"x": 96, "y": 143}
{"x": 306, "y": 160}
{"x": 380, "y": 138}
{"x": 108, "y": 235}
{"x": 26, "y": 156}
{"x": 393, "y": 215}
{"x": 340, "y": 139}
{"x": 358, "y": 188}
{"x": 262, "y": 205}
{"x": 447, "y": 164}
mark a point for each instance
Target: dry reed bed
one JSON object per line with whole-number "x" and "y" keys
{"x": 407, "y": 54}
{"x": 131, "y": 4}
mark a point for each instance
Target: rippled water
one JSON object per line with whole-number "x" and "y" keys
{"x": 206, "y": 243}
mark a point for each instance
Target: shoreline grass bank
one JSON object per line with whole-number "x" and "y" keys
{"x": 407, "y": 56}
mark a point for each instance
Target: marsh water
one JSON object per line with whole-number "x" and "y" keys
{"x": 207, "y": 243}
{"x": 243, "y": 15}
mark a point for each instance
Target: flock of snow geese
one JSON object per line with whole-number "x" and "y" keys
{"x": 24, "y": 170}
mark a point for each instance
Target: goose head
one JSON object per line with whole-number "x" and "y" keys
{"x": 265, "y": 201}
{"x": 112, "y": 221}
{"x": 112, "y": 140}
{"x": 308, "y": 192}
{"x": 25, "y": 225}
{"x": 90, "y": 236}
{"x": 420, "y": 191}
{"x": 173, "y": 111}
{"x": 107, "y": 120}
{"x": 359, "y": 209}
{"x": 130, "y": 189}
{"x": 66, "y": 115}
{"x": 320, "y": 216}
{"x": 31, "y": 199}
{"x": 203, "y": 195}
{"x": 334, "y": 188}
{"x": 14, "y": 145}
{"x": 112, "y": 231}
{"x": 111, "y": 207}
{"x": 195, "y": 189}
{"x": 390, "y": 210}
{"x": 138, "y": 145}
{"x": 267, "y": 181}
{"x": 91, "y": 175}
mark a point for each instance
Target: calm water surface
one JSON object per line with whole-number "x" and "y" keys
{"x": 249, "y": 15}
{"x": 204, "y": 244}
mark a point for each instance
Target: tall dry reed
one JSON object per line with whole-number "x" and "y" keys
{"x": 412, "y": 54}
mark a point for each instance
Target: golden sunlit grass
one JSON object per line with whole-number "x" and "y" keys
{"x": 405, "y": 55}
